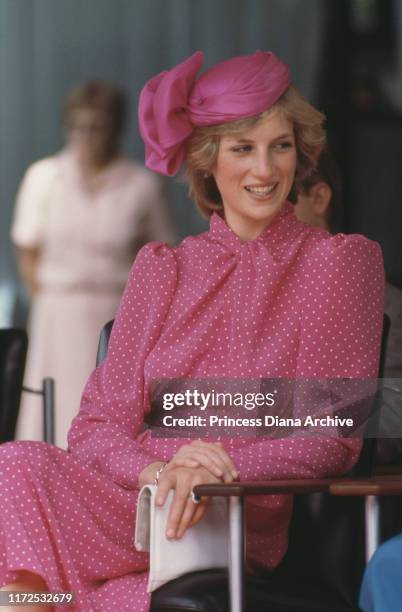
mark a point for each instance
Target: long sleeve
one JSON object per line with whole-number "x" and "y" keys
{"x": 30, "y": 212}
{"x": 340, "y": 336}
{"x": 111, "y": 416}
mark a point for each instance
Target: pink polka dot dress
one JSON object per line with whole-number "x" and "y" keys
{"x": 295, "y": 303}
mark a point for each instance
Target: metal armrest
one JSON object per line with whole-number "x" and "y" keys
{"x": 362, "y": 487}
{"x": 265, "y": 487}
{"x": 47, "y": 393}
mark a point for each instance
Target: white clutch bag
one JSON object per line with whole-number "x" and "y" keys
{"x": 203, "y": 546}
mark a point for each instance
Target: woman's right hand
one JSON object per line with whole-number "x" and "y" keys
{"x": 210, "y": 455}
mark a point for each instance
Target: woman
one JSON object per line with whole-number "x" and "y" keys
{"x": 258, "y": 296}
{"x": 81, "y": 217}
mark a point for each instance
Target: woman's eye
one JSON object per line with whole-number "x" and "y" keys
{"x": 241, "y": 149}
{"x": 284, "y": 145}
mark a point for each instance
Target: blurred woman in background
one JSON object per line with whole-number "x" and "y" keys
{"x": 81, "y": 217}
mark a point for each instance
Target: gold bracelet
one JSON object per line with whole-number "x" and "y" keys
{"x": 158, "y": 473}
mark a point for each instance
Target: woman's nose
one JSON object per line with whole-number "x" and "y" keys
{"x": 263, "y": 165}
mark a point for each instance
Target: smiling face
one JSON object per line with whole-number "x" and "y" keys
{"x": 254, "y": 173}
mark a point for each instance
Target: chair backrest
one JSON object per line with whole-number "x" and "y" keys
{"x": 365, "y": 465}
{"x": 386, "y": 325}
{"x": 104, "y": 342}
{"x": 13, "y": 351}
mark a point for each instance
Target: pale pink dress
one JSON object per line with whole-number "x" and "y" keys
{"x": 88, "y": 236}
{"x": 295, "y": 302}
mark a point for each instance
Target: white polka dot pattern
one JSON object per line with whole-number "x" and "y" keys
{"x": 295, "y": 302}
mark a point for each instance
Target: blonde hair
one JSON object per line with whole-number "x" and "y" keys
{"x": 203, "y": 147}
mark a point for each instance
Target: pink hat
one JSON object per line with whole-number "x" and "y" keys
{"x": 173, "y": 102}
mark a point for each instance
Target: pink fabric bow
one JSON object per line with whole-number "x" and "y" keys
{"x": 173, "y": 102}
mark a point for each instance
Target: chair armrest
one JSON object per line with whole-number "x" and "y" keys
{"x": 362, "y": 487}
{"x": 268, "y": 487}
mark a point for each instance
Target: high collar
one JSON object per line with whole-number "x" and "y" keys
{"x": 282, "y": 228}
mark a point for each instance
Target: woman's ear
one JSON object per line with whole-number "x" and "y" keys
{"x": 321, "y": 196}
{"x": 211, "y": 189}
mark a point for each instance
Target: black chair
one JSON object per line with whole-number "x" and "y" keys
{"x": 13, "y": 352}
{"x": 324, "y": 564}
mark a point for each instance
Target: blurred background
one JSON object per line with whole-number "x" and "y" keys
{"x": 345, "y": 56}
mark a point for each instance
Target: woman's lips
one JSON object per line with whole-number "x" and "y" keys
{"x": 261, "y": 191}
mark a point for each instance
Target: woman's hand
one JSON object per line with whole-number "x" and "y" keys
{"x": 27, "y": 260}
{"x": 184, "y": 512}
{"x": 195, "y": 463}
{"x": 210, "y": 455}
{"x": 148, "y": 474}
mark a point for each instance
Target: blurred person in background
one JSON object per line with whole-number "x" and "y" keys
{"x": 80, "y": 218}
{"x": 319, "y": 195}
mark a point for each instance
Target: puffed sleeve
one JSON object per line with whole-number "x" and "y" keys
{"x": 103, "y": 434}
{"x": 340, "y": 336}
{"x": 30, "y": 210}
